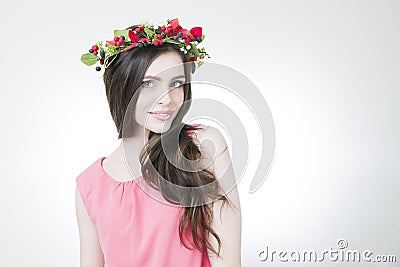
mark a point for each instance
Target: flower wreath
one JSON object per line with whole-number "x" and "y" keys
{"x": 171, "y": 32}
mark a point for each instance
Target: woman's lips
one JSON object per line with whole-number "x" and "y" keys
{"x": 162, "y": 116}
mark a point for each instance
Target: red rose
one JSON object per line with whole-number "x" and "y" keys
{"x": 177, "y": 29}
{"x": 111, "y": 43}
{"x": 134, "y": 38}
{"x": 146, "y": 40}
{"x": 184, "y": 33}
{"x": 196, "y": 31}
{"x": 129, "y": 47}
{"x": 174, "y": 23}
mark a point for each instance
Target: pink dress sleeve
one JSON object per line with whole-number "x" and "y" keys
{"x": 86, "y": 183}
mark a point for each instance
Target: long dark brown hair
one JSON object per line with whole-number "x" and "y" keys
{"x": 122, "y": 78}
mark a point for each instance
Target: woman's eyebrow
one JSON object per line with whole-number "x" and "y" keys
{"x": 159, "y": 79}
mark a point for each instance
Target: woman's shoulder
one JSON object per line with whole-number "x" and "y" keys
{"x": 191, "y": 129}
{"x": 206, "y": 132}
{"x": 89, "y": 177}
{"x": 202, "y": 130}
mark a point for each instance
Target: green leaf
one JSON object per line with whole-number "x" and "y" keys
{"x": 89, "y": 59}
{"x": 202, "y": 37}
{"x": 190, "y": 54}
{"x": 193, "y": 50}
{"x": 112, "y": 49}
{"x": 118, "y": 33}
{"x": 172, "y": 41}
{"x": 199, "y": 63}
{"x": 149, "y": 32}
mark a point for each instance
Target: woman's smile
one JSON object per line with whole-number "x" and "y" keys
{"x": 161, "y": 115}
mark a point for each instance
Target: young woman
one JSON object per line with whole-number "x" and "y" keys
{"x": 129, "y": 211}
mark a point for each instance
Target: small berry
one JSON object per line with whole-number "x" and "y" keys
{"x": 95, "y": 53}
{"x": 145, "y": 44}
{"x": 91, "y": 50}
{"x": 159, "y": 36}
{"x": 116, "y": 39}
{"x": 102, "y": 54}
{"x": 138, "y": 29}
{"x": 198, "y": 39}
{"x": 121, "y": 40}
{"x": 102, "y": 61}
{"x": 155, "y": 43}
{"x": 119, "y": 43}
{"x": 176, "y": 38}
{"x": 180, "y": 34}
{"x": 163, "y": 28}
{"x": 140, "y": 45}
{"x": 98, "y": 68}
{"x": 123, "y": 37}
{"x": 187, "y": 40}
{"x": 160, "y": 42}
{"x": 95, "y": 47}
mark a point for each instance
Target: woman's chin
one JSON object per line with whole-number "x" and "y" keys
{"x": 159, "y": 127}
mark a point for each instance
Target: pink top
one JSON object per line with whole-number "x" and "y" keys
{"x": 135, "y": 230}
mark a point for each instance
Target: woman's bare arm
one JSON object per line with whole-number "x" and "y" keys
{"x": 91, "y": 254}
{"x": 227, "y": 220}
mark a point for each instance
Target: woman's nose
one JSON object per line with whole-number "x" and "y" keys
{"x": 165, "y": 97}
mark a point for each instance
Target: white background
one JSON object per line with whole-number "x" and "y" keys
{"x": 329, "y": 71}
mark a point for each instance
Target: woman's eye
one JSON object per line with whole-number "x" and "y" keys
{"x": 177, "y": 83}
{"x": 147, "y": 83}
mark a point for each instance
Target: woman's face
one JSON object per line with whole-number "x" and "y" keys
{"x": 161, "y": 94}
